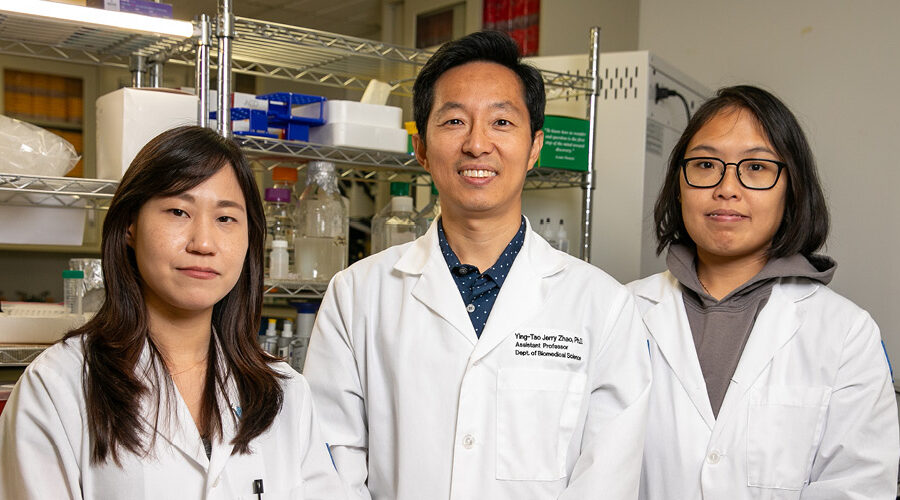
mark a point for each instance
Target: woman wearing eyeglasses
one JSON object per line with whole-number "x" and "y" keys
{"x": 766, "y": 383}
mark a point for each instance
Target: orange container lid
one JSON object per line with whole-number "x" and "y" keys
{"x": 284, "y": 174}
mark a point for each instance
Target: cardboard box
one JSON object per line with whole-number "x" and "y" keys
{"x": 144, "y": 7}
{"x": 128, "y": 118}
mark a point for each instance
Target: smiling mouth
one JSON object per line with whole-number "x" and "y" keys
{"x": 477, "y": 173}
{"x": 729, "y": 215}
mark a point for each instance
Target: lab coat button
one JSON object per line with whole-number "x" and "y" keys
{"x": 216, "y": 483}
{"x": 468, "y": 441}
{"x": 470, "y": 307}
{"x": 713, "y": 457}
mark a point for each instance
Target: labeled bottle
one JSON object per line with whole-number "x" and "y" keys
{"x": 395, "y": 223}
{"x": 431, "y": 211}
{"x": 562, "y": 238}
{"x": 279, "y": 260}
{"x": 270, "y": 342}
{"x": 73, "y": 291}
{"x": 306, "y": 317}
{"x": 284, "y": 341}
{"x": 323, "y": 225}
{"x": 279, "y": 220}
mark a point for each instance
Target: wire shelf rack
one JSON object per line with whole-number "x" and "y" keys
{"x": 294, "y": 289}
{"x": 16, "y": 189}
{"x": 62, "y": 40}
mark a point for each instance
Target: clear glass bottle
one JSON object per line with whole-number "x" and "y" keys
{"x": 431, "y": 211}
{"x": 279, "y": 221}
{"x": 395, "y": 223}
{"x": 323, "y": 225}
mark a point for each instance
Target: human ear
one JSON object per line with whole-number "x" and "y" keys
{"x": 420, "y": 150}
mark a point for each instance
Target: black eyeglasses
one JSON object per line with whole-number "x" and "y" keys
{"x": 752, "y": 173}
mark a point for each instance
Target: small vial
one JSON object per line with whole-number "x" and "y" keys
{"x": 73, "y": 290}
{"x": 278, "y": 260}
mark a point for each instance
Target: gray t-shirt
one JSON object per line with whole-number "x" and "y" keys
{"x": 721, "y": 328}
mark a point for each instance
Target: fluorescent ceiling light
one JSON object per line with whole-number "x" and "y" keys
{"x": 98, "y": 17}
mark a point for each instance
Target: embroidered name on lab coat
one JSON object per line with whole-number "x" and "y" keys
{"x": 550, "y": 345}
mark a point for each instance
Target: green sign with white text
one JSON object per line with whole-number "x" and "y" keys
{"x": 565, "y": 143}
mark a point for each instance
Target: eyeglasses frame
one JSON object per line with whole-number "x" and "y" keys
{"x": 737, "y": 171}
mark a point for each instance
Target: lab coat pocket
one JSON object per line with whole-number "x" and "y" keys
{"x": 537, "y": 411}
{"x": 784, "y": 427}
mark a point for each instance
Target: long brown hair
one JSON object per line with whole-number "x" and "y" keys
{"x": 172, "y": 163}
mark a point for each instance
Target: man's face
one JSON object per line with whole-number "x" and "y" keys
{"x": 478, "y": 145}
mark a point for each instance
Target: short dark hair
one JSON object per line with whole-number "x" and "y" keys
{"x": 804, "y": 227}
{"x": 487, "y": 46}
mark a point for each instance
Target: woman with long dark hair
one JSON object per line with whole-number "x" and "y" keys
{"x": 165, "y": 392}
{"x": 766, "y": 383}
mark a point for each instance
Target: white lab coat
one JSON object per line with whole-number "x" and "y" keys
{"x": 810, "y": 412}
{"x": 45, "y": 449}
{"x": 416, "y": 407}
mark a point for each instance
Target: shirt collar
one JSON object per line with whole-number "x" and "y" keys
{"x": 497, "y": 272}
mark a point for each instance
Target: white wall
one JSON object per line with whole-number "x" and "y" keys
{"x": 835, "y": 63}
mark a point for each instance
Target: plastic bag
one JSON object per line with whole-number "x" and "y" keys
{"x": 31, "y": 150}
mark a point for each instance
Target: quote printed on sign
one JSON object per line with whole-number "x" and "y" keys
{"x": 547, "y": 345}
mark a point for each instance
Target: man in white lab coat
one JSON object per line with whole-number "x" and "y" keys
{"x": 477, "y": 362}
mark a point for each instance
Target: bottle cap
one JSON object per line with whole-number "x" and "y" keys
{"x": 72, "y": 274}
{"x": 399, "y": 189}
{"x": 288, "y": 328}
{"x": 401, "y": 204}
{"x": 279, "y": 244}
{"x": 278, "y": 195}
{"x": 284, "y": 174}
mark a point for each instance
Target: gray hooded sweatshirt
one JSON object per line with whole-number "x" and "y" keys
{"x": 721, "y": 328}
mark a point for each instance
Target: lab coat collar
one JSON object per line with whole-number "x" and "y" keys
{"x": 668, "y": 324}
{"x": 776, "y": 324}
{"x": 521, "y": 295}
{"x": 173, "y": 420}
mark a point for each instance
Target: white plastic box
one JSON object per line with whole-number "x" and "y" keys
{"x": 353, "y": 112}
{"x": 128, "y": 118}
{"x": 360, "y": 136}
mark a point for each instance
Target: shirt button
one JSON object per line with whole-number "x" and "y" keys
{"x": 464, "y": 271}
{"x": 468, "y": 441}
{"x": 470, "y": 307}
{"x": 713, "y": 457}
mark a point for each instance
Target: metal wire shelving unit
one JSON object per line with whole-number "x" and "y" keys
{"x": 62, "y": 40}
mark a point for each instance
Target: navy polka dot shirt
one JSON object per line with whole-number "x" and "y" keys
{"x": 479, "y": 290}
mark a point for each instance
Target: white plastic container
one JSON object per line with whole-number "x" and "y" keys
{"x": 128, "y": 118}
{"x": 278, "y": 260}
{"x": 360, "y": 136}
{"x": 353, "y": 112}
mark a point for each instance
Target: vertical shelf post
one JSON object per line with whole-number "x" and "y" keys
{"x": 225, "y": 34}
{"x": 201, "y": 70}
{"x": 587, "y": 200}
{"x": 138, "y": 67}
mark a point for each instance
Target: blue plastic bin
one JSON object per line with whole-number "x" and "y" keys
{"x": 280, "y": 104}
